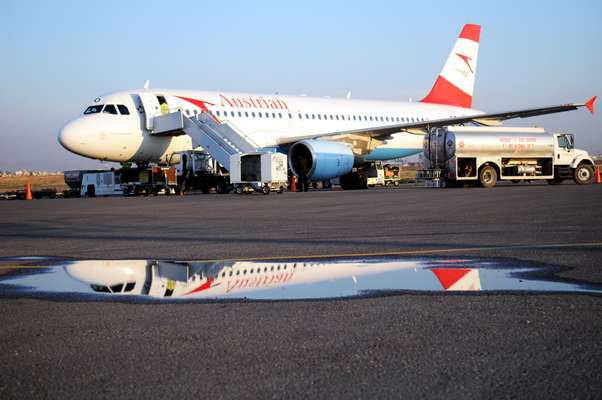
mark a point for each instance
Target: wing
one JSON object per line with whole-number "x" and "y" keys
{"x": 383, "y": 133}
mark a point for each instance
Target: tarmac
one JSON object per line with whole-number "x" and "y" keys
{"x": 468, "y": 345}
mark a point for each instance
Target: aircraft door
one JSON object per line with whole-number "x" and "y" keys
{"x": 151, "y": 106}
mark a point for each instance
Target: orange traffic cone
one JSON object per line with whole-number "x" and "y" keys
{"x": 598, "y": 174}
{"x": 28, "y": 195}
{"x": 293, "y": 183}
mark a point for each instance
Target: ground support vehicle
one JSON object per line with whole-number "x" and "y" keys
{"x": 149, "y": 181}
{"x": 100, "y": 183}
{"x": 382, "y": 175}
{"x": 461, "y": 155}
{"x": 197, "y": 170}
{"x": 258, "y": 172}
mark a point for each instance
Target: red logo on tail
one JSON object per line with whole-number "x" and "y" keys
{"x": 466, "y": 59}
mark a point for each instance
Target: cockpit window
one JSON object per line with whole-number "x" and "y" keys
{"x": 110, "y": 109}
{"x": 93, "y": 109}
{"x": 123, "y": 110}
{"x": 117, "y": 288}
{"x": 100, "y": 288}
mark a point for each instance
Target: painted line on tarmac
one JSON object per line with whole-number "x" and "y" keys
{"x": 413, "y": 252}
{"x": 377, "y": 254}
{"x": 23, "y": 267}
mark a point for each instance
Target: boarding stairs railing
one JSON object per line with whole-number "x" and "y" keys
{"x": 220, "y": 139}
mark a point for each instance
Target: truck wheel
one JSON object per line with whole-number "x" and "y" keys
{"x": 239, "y": 190}
{"x": 488, "y": 176}
{"x": 221, "y": 186}
{"x": 555, "y": 181}
{"x": 265, "y": 190}
{"x": 583, "y": 174}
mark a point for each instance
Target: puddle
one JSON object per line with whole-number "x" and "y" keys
{"x": 283, "y": 279}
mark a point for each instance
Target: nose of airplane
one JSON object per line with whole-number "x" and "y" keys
{"x": 72, "y": 137}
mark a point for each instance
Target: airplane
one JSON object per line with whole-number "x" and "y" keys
{"x": 324, "y": 137}
{"x": 269, "y": 279}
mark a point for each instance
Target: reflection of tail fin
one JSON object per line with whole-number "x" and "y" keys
{"x": 458, "y": 278}
{"x": 455, "y": 84}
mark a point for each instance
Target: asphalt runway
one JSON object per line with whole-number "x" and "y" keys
{"x": 472, "y": 345}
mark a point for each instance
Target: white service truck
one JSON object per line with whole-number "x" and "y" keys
{"x": 380, "y": 174}
{"x": 100, "y": 183}
{"x": 460, "y": 155}
{"x": 262, "y": 172}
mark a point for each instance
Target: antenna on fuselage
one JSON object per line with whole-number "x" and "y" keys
{"x": 348, "y": 95}
{"x": 147, "y": 84}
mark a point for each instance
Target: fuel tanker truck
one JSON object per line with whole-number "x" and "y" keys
{"x": 459, "y": 155}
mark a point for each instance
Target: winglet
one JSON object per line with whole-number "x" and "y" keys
{"x": 590, "y": 104}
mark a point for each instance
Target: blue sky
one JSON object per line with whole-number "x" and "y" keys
{"x": 57, "y": 56}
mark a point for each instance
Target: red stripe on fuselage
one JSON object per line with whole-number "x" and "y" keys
{"x": 202, "y": 105}
{"x": 204, "y": 286}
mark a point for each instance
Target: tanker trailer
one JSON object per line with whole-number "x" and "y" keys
{"x": 457, "y": 155}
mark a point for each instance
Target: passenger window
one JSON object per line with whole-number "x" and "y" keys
{"x": 232, "y": 113}
{"x": 239, "y": 114}
{"x": 354, "y": 117}
{"x": 313, "y": 116}
{"x": 110, "y": 109}
{"x": 319, "y": 116}
{"x": 274, "y": 115}
{"x": 93, "y": 109}
{"x": 253, "y": 114}
{"x": 337, "y": 117}
{"x": 300, "y": 116}
{"x": 217, "y": 113}
{"x": 123, "y": 110}
{"x": 247, "y": 114}
{"x": 259, "y": 114}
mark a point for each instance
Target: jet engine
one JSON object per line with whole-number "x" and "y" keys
{"x": 319, "y": 160}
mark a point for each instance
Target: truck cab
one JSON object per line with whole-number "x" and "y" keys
{"x": 564, "y": 148}
{"x": 570, "y": 163}
{"x": 375, "y": 174}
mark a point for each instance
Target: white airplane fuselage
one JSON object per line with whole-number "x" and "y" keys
{"x": 269, "y": 120}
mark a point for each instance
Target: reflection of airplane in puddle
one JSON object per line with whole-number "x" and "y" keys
{"x": 243, "y": 278}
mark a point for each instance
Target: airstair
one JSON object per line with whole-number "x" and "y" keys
{"x": 220, "y": 140}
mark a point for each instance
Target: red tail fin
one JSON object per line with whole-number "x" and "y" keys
{"x": 455, "y": 84}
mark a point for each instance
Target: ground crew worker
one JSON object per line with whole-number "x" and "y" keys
{"x": 164, "y": 108}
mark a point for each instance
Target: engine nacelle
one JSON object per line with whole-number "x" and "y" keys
{"x": 320, "y": 160}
